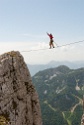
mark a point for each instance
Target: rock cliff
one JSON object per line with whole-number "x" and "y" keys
{"x": 82, "y": 120}
{"x": 19, "y": 102}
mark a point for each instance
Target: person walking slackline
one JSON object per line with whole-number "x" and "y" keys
{"x": 51, "y": 40}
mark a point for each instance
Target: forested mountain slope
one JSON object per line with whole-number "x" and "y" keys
{"x": 60, "y": 91}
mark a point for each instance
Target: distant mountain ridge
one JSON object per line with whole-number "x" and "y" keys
{"x": 60, "y": 91}
{"x": 38, "y": 67}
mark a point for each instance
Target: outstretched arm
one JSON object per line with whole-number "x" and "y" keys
{"x": 47, "y": 33}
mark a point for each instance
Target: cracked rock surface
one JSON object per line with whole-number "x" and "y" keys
{"x": 19, "y": 102}
{"x": 82, "y": 120}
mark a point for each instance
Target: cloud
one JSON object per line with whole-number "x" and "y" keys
{"x": 42, "y": 53}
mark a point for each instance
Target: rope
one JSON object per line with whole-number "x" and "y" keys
{"x": 55, "y": 47}
{"x": 71, "y": 43}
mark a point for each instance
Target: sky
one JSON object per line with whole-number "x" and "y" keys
{"x": 24, "y": 23}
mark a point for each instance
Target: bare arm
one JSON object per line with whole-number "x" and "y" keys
{"x": 47, "y": 33}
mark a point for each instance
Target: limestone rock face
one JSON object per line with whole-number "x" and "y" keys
{"x": 82, "y": 120}
{"x": 19, "y": 102}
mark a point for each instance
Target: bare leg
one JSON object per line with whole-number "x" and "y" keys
{"x": 50, "y": 44}
{"x": 53, "y": 45}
